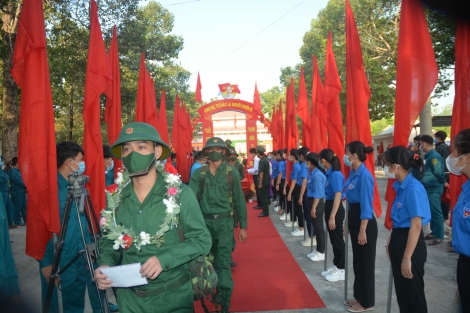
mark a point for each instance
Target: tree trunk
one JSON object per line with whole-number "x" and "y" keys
{"x": 70, "y": 136}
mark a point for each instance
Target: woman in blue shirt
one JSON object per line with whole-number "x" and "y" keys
{"x": 457, "y": 163}
{"x": 362, "y": 225}
{"x": 294, "y": 193}
{"x": 405, "y": 247}
{"x": 334, "y": 212}
{"x": 316, "y": 194}
{"x": 280, "y": 181}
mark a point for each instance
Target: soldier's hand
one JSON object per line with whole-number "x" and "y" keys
{"x": 242, "y": 235}
{"x": 151, "y": 268}
{"x": 101, "y": 279}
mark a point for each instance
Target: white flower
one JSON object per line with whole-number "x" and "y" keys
{"x": 170, "y": 204}
{"x": 119, "y": 178}
{"x": 145, "y": 238}
{"x": 118, "y": 242}
{"x": 172, "y": 179}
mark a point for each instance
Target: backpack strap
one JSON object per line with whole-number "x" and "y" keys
{"x": 202, "y": 181}
{"x": 229, "y": 171}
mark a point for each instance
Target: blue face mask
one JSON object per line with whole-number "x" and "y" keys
{"x": 346, "y": 161}
{"x": 111, "y": 167}
{"x": 81, "y": 166}
{"x": 435, "y": 140}
{"x": 321, "y": 166}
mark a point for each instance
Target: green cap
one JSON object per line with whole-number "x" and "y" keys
{"x": 260, "y": 149}
{"x": 233, "y": 152}
{"x": 214, "y": 142}
{"x": 139, "y": 131}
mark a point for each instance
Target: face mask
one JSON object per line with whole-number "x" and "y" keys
{"x": 451, "y": 162}
{"x": 111, "y": 167}
{"x": 81, "y": 166}
{"x": 138, "y": 164}
{"x": 270, "y": 157}
{"x": 435, "y": 140}
{"x": 232, "y": 158}
{"x": 389, "y": 175}
{"x": 346, "y": 161}
{"x": 321, "y": 166}
{"x": 215, "y": 156}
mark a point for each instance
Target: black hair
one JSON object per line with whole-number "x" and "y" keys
{"x": 67, "y": 150}
{"x": 331, "y": 158}
{"x": 441, "y": 135}
{"x": 14, "y": 161}
{"x": 294, "y": 153}
{"x": 358, "y": 148}
{"x": 106, "y": 152}
{"x": 427, "y": 139}
{"x": 274, "y": 153}
{"x": 417, "y": 138}
{"x": 402, "y": 156}
{"x": 462, "y": 142}
{"x": 200, "y": 156}
{"x": 284, "y": 150}
{"x": 253, "y": 150}
{"x": 173, "y": 155}
{"x": 314, "y": 158}
{"x": 303, "y": 152}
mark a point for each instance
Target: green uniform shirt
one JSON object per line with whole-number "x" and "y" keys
{"x": 239, "y": 167}
{"x": 264, "y": 168}
{"x": 433, "y": 179}
{"x": 147, "y": 216}
{"x": 215, "y": 199}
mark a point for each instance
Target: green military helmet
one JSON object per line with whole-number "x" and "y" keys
{"x": 139, "y": 131}
{"x": 233, "y": 152}
{"x": 260, "y": 149}
{"x": 214, "y": 142}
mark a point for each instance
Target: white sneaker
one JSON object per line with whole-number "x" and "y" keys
{"x": 311, "y": 254}
{"x": 318, "y": 257}
{"x": 298, "y": 233}
{"x": 283, "y": 217}
{"x": 289, "y": 224}
{"x": 308, "y": 242}
{"x": 337, "y": 275}
{"x": 276, "y": 208}
{"x": 328, "y": 271}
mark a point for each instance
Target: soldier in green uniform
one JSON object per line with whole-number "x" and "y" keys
{"x": 5, "y": 191}
{"x": 218, "y": 198}
{"x": 233, "y": 161}
{"x": 18, "y": 192}
{"x": 143, "y": 209}
{"x": 433, "y": 181}
{"x": 264, "y": 180}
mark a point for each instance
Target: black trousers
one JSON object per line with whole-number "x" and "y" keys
{"x": 410, "y": 292}
{"x": 463, "y": 281}
{"x": 255, "y": 181}
{"x": 282, "y": 198}
{"x": 363, "y": 257}
{"x": 317, "y": 223}
{"x": 263, "y": 198}
{"x": 336, "y": 235}
{"x": 299, "y": 213}
{"x": 273, "y": 188}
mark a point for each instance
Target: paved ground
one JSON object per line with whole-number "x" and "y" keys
{"x": 439, "y": 278}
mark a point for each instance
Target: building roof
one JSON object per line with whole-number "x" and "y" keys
{"x": 442, "y": 120}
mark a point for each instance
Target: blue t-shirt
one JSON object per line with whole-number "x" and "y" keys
{"x": 360, "y": 189}
{"x": 274, "y": 167}
{"x": 316, "y": 184}
{"x": 195, "y": 166}
{"x": 294, "y": 174}
{"x": 334, "y": 184}
{"x": 411, "y": 201}
{"x": 282, "y": 169}
{"x": 302, "y": 174}
{"x": 461, "y": 222}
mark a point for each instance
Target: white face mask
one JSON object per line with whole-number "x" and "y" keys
{"x": 451, "y": 165}
{"x": 390, "y": 175}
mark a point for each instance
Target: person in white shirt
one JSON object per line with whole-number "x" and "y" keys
{"x": 255, "y": 171}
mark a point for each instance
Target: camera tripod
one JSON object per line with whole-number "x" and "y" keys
{"x": 79, "y": 198}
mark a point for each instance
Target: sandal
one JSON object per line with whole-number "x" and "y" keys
{"x": 428, "y": 237}
{"x": 434, "y": 242}
{"x": 361, "y": 309}
{"x": 280, "y": 212}
{"x": 350, "y": 302}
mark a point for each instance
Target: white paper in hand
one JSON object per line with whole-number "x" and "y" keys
{"x": 125, "y": 275}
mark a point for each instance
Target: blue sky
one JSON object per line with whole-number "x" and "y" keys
{"x": 216, "y": 35}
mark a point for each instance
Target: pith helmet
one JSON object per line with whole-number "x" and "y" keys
{"x": 139, "y": 131}
{"x": 233, "y": 152}
{"x": 260, "y": 149}
{"x": 213, "y": 143}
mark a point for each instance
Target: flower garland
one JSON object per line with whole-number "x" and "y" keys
{"x": 123, "y": 237}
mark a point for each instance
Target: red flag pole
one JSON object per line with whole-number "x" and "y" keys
{"x": 198, "y": 94}
{"x": 163, "y": 120}
{"x": 319, "y": 114}
{"x": 141, "y": 93}
{"x": 303, "y": 111}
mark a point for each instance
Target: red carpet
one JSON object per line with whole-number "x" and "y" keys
{"x": 267, "y": 277}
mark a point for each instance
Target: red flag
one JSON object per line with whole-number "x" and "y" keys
{"x": 332, "y": 90}
{"x": 319, "y": 114}
{"x": 461, "y": 109}
{"x": 198, "y": 95}
{"x": 175, "y": 128}
{"x": 257, "y": 101}
{"x": 163, "y": 120}
{"x": 36, "y": 146}
{"x": 223, "y": 87}
{"x": 273, "y": 128}
{"x": 184, "y": 142}
{"x": 98, "y": 78}
{"x": 292, "y": 133}
{"x": 416, "y": 78}
{"x": 146, "y": 106}
{"x": 381, "y": 148}
{"x": 112, "y": 114}
{"x": 280, "y": 127}
{"x": 357, "y": 98}
{"x": 303, "y": 111}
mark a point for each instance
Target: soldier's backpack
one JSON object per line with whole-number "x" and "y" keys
{"x": 229, "y": 176}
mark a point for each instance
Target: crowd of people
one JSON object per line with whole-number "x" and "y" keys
{"x": 213, "y": 203}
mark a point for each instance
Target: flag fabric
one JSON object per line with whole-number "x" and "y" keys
{"x": 332, "y": 90}
{"x": 146, "y": 105}
{"x": 416, "y": 78}
{"x": 98, "y": 79}
{"x": 357, "y": 99}
{"x": 319, "y": 115}
{"x": 175, "y": 129}
{"x": 257, "y": 101}
{"x": 36, "y": 145}
{"x": 163, "y": 120}
{"x": 292, "y": 133}
{"x": 223, "y": 87}
{"x": 303, "y": 111}
{"x": 112, "y": 115}
{"x": 461, "y": 108}
{"x": 198, "y": 95}
{"x": 273, "y": 128}
{"x": 280, "y": 127}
